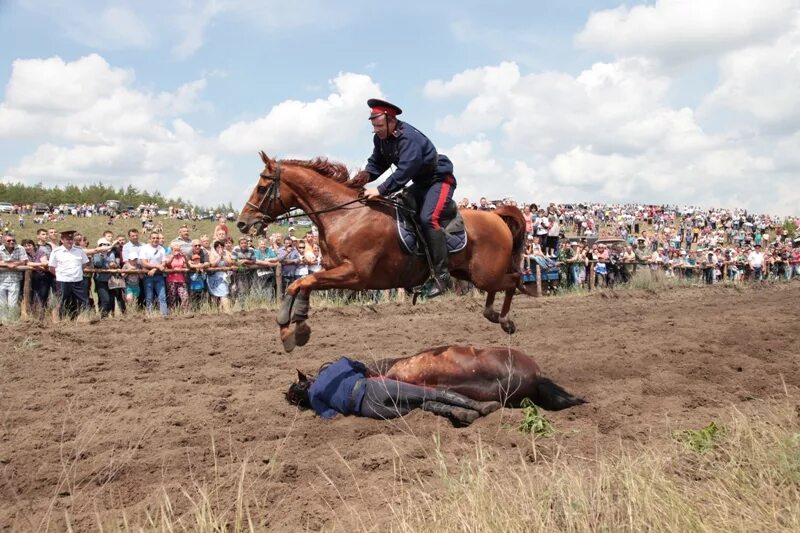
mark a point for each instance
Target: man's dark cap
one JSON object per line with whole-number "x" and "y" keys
{"x": 382, "y": 107}
{"x": 68, "y": 232}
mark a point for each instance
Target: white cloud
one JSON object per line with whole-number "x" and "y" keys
{"x": 93, "y": 125}
{"x": 680, "y": 30}
{"x": 762, "y": 81}
{"x": 608, "y": 133}
{"x": 308, "y": 129}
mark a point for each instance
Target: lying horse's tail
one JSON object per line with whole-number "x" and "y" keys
{"x": 513, "y": 218}
{"x": 553, "y": 397}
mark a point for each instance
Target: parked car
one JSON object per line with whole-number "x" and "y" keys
{"x": 6, "y": 207}
{"x": 40, "y": 208}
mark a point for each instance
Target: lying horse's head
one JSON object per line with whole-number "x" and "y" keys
{"x": 268, "y": 200}
{"x": 298, "y": 392}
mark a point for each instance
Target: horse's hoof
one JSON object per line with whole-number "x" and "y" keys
{"x": 288, "y": 339}
{"x": 508, "y": 326}
{"x": 302, "y": 333}
{"x": 491, "y": 315}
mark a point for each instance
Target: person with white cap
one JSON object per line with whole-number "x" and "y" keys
{"x": 415, "y": 157}
{"x": 67, "y": 263}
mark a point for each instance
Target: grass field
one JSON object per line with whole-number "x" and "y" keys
{"x": 94, "y": 227}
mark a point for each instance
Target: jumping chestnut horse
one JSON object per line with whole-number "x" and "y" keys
{"x": 497, "y": 374}
{"x": 359, "y": 244}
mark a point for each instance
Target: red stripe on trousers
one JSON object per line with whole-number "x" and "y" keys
{"x": 437, "y": 211}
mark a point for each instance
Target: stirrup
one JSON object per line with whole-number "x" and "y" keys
{"x": 439, "y": 284}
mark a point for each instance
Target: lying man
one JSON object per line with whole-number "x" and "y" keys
{"x": 343, "y": 387}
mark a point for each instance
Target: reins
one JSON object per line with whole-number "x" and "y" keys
{"x": 273, "y": 194}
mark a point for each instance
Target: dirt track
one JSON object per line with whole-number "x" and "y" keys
{"x": 100, "y": 419}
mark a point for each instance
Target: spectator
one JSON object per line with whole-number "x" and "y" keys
{"x": 553, "y": 232}
{"x": 198, "y": 261}
{"x": 177, "y": 290}
{"x": 183, "y": 241}
{"x": 104, "y": 258}
{"x": 151, "y": 258}
{"x": 132, "y": 279}
{"x": 132, "y": 246}
{"x": 41, "y": 279}
{"x": 218, "y": 284}
{"x": 244, "y": 256}
{"x": 289, "y": 259}
{"x": 266, "y": 258}
{"x": 755, "y": 260}
{"x": 11, "y": 257}
{"x": 67, "y": 263}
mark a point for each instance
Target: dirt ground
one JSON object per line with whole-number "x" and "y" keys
{"x": 106, "y": 420}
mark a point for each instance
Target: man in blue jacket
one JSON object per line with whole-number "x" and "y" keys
{"x": 342, "y": 387}
{"x": 416, "y": 159}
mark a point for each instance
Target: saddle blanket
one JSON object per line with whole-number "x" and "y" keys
{"x": 455, "y": 233}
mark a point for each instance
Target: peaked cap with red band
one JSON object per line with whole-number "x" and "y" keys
{"x": 382, "y": 107}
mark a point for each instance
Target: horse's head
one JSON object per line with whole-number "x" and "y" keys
{"x": 270, "y": 198}
{"x": 298, "y": 392}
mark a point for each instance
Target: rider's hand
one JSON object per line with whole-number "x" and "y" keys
{"x": 371, "y": 193}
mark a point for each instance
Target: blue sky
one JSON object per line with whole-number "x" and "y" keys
{"x": 676, "y": 101}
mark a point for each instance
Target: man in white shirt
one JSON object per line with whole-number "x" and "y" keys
{"x": 67, "y": 262}
{"x": 756, "y": 261}
{"x": 152, "y": 257}
{"x": 133, "y": 244}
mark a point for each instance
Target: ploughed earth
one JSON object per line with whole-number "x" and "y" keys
{"x": 106, "y": 422}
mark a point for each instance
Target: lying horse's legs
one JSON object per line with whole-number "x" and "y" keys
{"x": 488, "y": 309}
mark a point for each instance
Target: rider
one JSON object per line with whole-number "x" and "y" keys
{"x": 344, "y": 387}
{"x": 401, "y": 144}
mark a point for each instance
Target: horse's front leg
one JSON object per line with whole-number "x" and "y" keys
{"x": 293, "y": 314}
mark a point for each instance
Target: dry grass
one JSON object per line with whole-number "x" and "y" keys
{"x": 747, "y": 480}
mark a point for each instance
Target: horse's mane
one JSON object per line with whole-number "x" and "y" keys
{"x": 330, "y": 169}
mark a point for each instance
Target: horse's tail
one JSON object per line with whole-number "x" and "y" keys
{"x": 553, "y": 397}
{"x": 513, "y": 218}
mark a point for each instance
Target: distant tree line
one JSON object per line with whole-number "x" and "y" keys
{"x": 19, "y": 193}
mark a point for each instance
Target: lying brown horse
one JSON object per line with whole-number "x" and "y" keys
{"x": 359, "y": 244}
{"x": 484, "y": 374}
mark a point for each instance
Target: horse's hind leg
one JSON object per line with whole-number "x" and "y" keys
{"x": 488, "y": 309}
{"x": 505, "y": 320}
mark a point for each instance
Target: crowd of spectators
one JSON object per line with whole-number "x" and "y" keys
{"x": 606, "y": 243}
{"x": 181, "y": 273}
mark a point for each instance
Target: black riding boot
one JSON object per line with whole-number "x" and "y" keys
{"x": 458, "y": 415}
{"x": 437, "y": 247}
{"x": 459, "y": 400}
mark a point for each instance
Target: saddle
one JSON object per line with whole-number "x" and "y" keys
{"x": 451, "y": 221}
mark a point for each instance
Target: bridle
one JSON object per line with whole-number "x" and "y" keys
{"x": 272, "y": 193}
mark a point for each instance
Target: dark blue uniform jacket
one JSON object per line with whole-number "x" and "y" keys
{"x": 332, "y": 391}
{"x": 414, "y": 156}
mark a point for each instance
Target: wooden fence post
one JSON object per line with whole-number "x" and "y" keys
{"x": 278, "y": 282}
{"x": 26, "y": 290}
{"x": 538, "y": 280}
{"x": 591, "y": 276}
